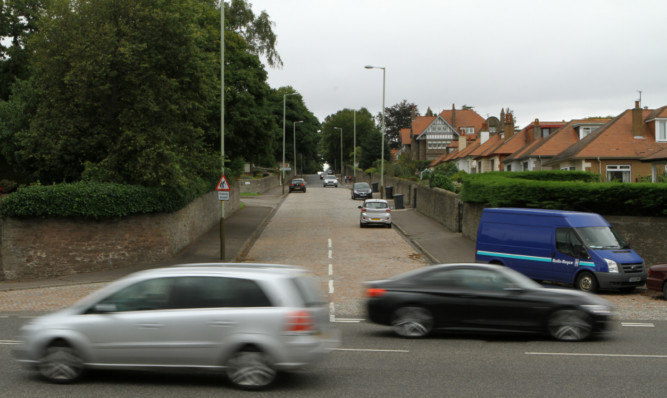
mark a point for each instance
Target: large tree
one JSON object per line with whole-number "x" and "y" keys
{"x": 397, "y": 117}
{"x": 119, "y": 102}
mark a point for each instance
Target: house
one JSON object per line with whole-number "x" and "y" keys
{"x": 616, "y": 150}
{"x": 431, "y": 135}
{"x": 515, "y": 154}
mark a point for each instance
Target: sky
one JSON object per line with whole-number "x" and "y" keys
{"x": 550, "y": 60}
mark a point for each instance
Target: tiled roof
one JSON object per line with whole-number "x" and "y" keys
{"x": 614, "y": 140}
{"x": 488, "y": 147}
{"x": 405, "y": 136}
{"x": 658, "y": 156}
{"x": 464, "y": 118}
{"x": 421, "y": 123}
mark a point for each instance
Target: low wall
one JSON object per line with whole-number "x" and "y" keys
{"x": 261, "y": 185}
{"x": 43, "y": 248}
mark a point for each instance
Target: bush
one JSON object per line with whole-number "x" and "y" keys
{"x": 98, "y": 200}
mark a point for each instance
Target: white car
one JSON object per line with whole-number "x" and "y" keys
{"x": 330, "y": 180}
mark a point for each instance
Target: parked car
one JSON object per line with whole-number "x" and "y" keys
{"x": 330, "y": 180}
{"x": 657, "y": 279}
{"x": 361, "y": 190}
{"x": 247, "y": 320}
{"x": 571, "y": 247}
{"x": 297, "y": 184}
{"x": 483, "y": 298}
{"x": 375, "y": 212}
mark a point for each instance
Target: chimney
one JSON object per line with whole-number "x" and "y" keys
{"x": 453, "y": 116}
{"x": 462, "y": 142}
{"x": 484, "y": 136}
{"x": 537, "y": 130}
{"x": 637, "y": 121}
{"x": 509, "y": 126}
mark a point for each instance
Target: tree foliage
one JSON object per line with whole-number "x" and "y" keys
{"x": 397, "y": 117}
{"x": 256, "y": 31}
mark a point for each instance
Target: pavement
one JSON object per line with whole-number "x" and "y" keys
{"x": 432, "y": 239}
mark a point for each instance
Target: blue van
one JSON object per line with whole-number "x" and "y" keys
{"x": 559, "y": 246}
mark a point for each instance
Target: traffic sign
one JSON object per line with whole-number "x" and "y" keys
{"x": 223, "y": 185}
{"x": 223, "y": 195}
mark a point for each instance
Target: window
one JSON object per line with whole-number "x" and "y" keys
{"x": 568, "y": 168}
{"x": 468, "y": 130}
{"x": 661, "y": 130}
{"x": 619, "y": 173}
{"x": 584, "y": 131}
{"x": 568, "y": 243}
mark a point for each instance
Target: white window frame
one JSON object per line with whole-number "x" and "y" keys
{"x": 625, "y": 171}
{"x": 661, "y": 130}
{"x": 468, "y": 130}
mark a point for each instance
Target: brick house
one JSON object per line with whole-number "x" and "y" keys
{"x": 616, "y": 150}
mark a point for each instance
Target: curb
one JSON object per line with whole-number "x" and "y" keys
{"x": 249, "y": 243}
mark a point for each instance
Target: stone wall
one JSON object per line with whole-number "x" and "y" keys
{"x": 42, "y": 248}
{"x": 254, "y": 185}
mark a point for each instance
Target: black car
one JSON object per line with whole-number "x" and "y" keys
{"x": 297, "y": 184}
{"x": 362, "y": 190}
{"x": 483, "y": 298}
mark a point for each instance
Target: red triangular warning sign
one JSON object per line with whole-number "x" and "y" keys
{"x": 223, "y": 184}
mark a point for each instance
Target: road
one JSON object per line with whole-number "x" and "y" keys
{"x": 319, "y": 230}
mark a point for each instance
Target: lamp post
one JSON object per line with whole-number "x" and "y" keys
{"x": 295, "y": 123}
{"x": 383, "y": 127}
{"x": 341, "y": 150}
{"x": 354, "y": 148}
{"x": 282, "y": 166}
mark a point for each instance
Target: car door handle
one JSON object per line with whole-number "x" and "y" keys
{"x": 222, "y": 323}
{"x": 150, "y": 325}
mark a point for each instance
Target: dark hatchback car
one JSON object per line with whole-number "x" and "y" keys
{"x": 657, "y": 279}
{"x": 362, "y": 190}
{"x": 483, "y": 298}
{"x": 297, "y": 184}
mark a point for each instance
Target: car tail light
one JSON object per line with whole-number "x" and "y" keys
{"x": 649, "y": 272}
{"x": 299, "y": 321}
{"x": 388, "y": 210}
{"x": 363, "y": 209}
{"x": 374, "y": 292}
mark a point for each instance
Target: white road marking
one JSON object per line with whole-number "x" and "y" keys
{"x": 575, "y": 354}
{"x": 349, "y": 320}
{"x": 331, "y": 289}
{"x": 332, "y": 312}
{"x": 330, "y": 254}
{"x": 329, "y": 243}
{"x": 368, "y": 350}
{"x": 637, "y": 324}
{"x": 9, "y": 342}
{"x": 330, "y": 269}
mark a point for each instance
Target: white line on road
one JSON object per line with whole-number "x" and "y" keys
{"x": 329, "y": 243}
{"x": 9, "y": 342}
{"x": 331, "y": 289}
{"x": 574, "y": 354}
{"x": 330, "y": 269}
{"x": 330, "y": 254}
{"x": 638, "y": 325}
{"x": 368, "y": 350}
{"x": 349, "y": 320}
{"x": 332, "y": 312}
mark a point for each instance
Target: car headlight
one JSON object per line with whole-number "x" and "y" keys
{"x": 597, "y": 309}
{"x": 611, "y": 265}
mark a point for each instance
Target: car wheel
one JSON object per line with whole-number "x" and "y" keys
{"x": 586, "y": 282}
{"x": 362, "y": 225}
{"x": 412, "y": 322}
{"x": 570, "y": 325}
{"x": 60, "y": 363}
{"x": 250, "y": 369}
{"x": 389, "y": 225}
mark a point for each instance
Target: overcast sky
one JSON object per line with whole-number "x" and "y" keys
{"x": 552, "y": 60}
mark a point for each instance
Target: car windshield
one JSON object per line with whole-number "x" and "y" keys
{"x": 361, "y": 185}
{"x": 331, "y": 177}
{"x": 298, "y": 181}
{"x": 376, "y": 205}
{"x": 598, "y": 238}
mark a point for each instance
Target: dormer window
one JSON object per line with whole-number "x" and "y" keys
{"x": 661, "y": 130}
{"x": 468, "y": 130}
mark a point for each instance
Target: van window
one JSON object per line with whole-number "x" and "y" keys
{"x": 602, "y": 238}
{"x": 569, "y": 243}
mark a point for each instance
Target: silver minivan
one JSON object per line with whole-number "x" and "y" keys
{"x": 247, "y": 320}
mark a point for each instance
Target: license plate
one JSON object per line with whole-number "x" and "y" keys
{"x": 376, "y": 219}
{"x": 635, "y": 279}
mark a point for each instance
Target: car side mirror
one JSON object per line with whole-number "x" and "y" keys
{"x": 359, "y": 207}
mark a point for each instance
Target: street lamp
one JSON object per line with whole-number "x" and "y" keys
{"x": 341, "y": 150}
{"x": 282, "y": 166}
{"x": 295, "y": 123}
{"x": 383, "y": 127}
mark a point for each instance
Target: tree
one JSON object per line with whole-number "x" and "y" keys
{"x": 397, "y": 117}
{"x": 117, "y": 102}
{"x": 255, "y": 30}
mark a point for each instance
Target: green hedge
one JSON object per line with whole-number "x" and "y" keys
{"x": 576, "y": 193}
{"x": 98, "y": 200}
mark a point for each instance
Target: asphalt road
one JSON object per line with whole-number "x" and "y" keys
{"x": 320, "y": 230}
